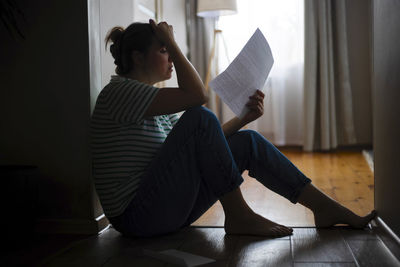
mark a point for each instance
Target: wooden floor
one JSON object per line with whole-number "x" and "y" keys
{"x": 344, "y": 175}
{"x": 306, "y": 247}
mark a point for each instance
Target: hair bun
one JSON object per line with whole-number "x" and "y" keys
{"x": 115, "y": 35}
{"x": 137, "y": 36}
{"x": 115, "y": 52}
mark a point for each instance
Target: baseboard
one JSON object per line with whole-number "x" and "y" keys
{"x": 369, "y": 159}
{"x": 71, "y": 226}
{"x": 388, "y": 237}
{"x": 387, "y": 229}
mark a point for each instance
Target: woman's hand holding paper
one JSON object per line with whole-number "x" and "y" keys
{"x": 255, "y": 106}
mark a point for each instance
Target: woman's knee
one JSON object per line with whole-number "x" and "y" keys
{"x": 200, "y": 114}
{"x": 252, "y": 139}
{"x": 250, "y": 136}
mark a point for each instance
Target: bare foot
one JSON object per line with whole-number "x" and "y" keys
{"x": 254, "y": 224}
{"x": 342, "y": 215}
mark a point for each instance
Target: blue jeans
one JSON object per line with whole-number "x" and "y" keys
{"x": 195, "y": 167}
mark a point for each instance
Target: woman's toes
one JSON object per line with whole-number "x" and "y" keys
{"x": 285, "y": 229}
{"x": 281, "y": 230}
{"x": 368, "y": 218}
{"x": 346, "y": 217}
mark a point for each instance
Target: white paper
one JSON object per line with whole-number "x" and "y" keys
{"x": 178, "y": 257}
{"x": 247, "y": 73}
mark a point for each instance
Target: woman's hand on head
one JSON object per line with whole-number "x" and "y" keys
{"x": 255, "y": 106}
{"x": 163, "y": 31}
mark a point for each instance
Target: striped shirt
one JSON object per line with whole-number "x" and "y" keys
{"x": 123, "y": 141}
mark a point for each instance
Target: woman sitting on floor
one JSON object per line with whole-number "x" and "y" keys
{"x": 156, "y": 173}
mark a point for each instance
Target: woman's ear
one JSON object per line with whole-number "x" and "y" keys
{"x": 137, "y": 58}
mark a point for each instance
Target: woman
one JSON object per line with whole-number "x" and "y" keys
{"x": 156, "y": 173}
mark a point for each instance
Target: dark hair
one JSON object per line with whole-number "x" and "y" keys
{"x": 137, "y": 37}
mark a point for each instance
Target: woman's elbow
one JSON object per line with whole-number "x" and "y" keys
{"x": 201, "y": 96}
{"x": 204, "y": 98}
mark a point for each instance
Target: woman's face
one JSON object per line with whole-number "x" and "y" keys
{"x": 158, "y": 63}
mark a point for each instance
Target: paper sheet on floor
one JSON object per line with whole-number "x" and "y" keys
{"x": 247, "y": 73}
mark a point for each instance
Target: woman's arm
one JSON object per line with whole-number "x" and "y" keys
{"x": 232, "y": 126}
{"x": 191, "y": 91}
{"x": 256, "y": 110}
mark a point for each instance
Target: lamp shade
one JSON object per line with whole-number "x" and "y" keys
{"x": 216, "y": 8}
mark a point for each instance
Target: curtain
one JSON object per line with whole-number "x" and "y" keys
{"x": 328, "y": 107}
{"x": 200, "y": 33}
{"x": 282, "y": 23}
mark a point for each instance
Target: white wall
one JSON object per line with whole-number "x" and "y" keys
{"x": 112, "y": 13}
{"x": 174, "y": 14}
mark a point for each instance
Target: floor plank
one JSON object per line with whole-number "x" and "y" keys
{"x": 211, "y": 243}
{"x": 92, "y": 251}
{"x": 372, "y": 253}
{"x": 337, "y": 246}
{"x": 33, "y": 250}
{"x": 262, "y": 252}
{"x": 358, "y": 234}
{"x": 324, "y": 264}
{"x": 316, "y": 245}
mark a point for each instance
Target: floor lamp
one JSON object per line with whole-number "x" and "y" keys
{"x": 214, "y": 9}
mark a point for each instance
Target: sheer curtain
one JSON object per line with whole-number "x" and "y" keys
{"x": 282, "y": 23}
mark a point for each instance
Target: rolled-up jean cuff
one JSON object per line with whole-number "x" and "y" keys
{"x": 297, "y": 192}
{"x": 235, "y": 184}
